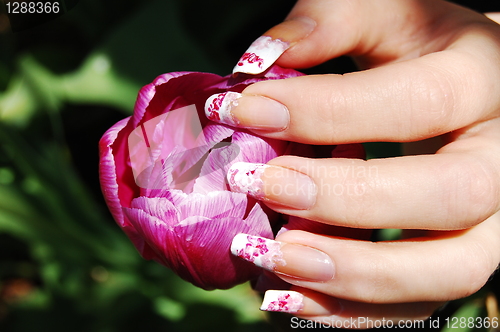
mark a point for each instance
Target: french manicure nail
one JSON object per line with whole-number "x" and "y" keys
{"x": 273, "y": 184}
{"x": 264, "y": 51}
{"x": 253, "y": 112}
{"x": 282, "y": 301}
{"x": 289, "y": 259}
{"x": 246, "y": 178}
{"x": 264, "y": 253}
{"x": 261, "y": 54}
{"x": 218, "y": 107}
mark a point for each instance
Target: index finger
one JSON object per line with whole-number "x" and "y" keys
{"x": 404, "y": 101}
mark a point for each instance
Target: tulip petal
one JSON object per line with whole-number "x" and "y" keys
{"x": 162, "y": 156}
{"x": 159, "y": 207}
{"x": 213, "y": 172}
{"x": 198, "y": 247}
{"x": 149, "y": 92}
{"x": 173, "y": 91}
{"x": 217, "y": 204}
{"x": 244, "y": 147}
{"x": 278, "y": 73}
{"x": 107, "y": 171}
{"x": 202, "y": 256}
{"x": 117, "y": 195}
{"x": 257, "y": 149}
{"x": 258, "y": 220}
{"x": 208, "y": 253}
{"x": 213, "y": 134}
{"x": 153, "y": 231}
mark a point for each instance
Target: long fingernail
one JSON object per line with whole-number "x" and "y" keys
{"x": 229, "y": 108}
{"x": 282, "y": 301}
{"x": 264, "y": 51}
{"x": 273, "y": 184}
{"x": 261, "y": 54}
{"x": 284, "y": 258}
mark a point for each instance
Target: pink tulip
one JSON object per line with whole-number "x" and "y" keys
{"x": 163, "y": 176}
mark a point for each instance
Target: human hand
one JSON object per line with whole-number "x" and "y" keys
{"x": 432, "y": 75}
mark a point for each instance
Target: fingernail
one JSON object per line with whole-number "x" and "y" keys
{"x": 293, "y": 260}
{"x": 273, "y": 184}
{"x": 253, "y": 112}
{"x": 218, "y": 107}
{"x": 282, "y": 301}
{"x": 261, "y": 54}
{"x": 264, "y": 51}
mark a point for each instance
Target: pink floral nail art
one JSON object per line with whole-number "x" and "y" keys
{"x": 262, "y": 252}
{"x": 246, "y": 178}
{"x": 218, "y": 107}
{"x": 260, "y": 55}
{"x": 282, "y": 301}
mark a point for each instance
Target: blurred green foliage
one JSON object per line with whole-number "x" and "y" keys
{"x": 64, "y": 264}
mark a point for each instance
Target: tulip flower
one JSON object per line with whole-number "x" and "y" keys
{"x": 163, "y": 176}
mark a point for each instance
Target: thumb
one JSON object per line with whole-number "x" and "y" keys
{"x": 376, "y": 31}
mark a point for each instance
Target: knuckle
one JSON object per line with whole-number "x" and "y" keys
{"x": 486, "y": 189}
{"x": 431, "y": 101}
{"x": 359, "y": 195}
{"x": 477, "y": 194}
{"x": 481, "y": 266}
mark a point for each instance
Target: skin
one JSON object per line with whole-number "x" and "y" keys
{"x": 431, "y": 80}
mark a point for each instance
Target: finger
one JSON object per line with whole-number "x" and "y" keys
{"x": 453, "y": 265}
{"x": 339, "y": 313}
{"x": 454, "y": 189}
{"x": 404, "y": 101}
{"x": 318, "y": 30}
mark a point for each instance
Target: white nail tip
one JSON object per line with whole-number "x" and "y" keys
{"x": 282, "y": 301}
{"x": 260, "y": 251}
{"x": 218, "y": 107}
{"x": 246, "y": 178}
{"x": 260, "y": 55}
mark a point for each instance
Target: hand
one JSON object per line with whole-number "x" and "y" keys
{"x": 431, "y": 80}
